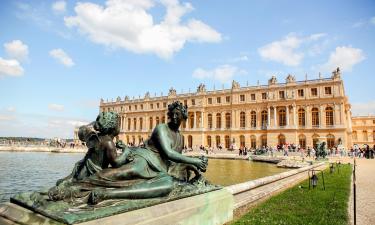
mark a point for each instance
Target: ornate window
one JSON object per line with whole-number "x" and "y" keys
{"x": 191, "y": 121}
{"x": 209, "y": 142}
{"x": 264, "y": 118}
{"x": 190, "y": 141}
{"x": 227, "y": 142}
{"x": 301, "y": 118}
{"x": 218, "y": 120}
{"x": 151, "y": 123}
{"x": 129, "y": 123}
{"x": 217, "y": 140}
{"x": 315, "y": 117}
{"x": 134, "y": 123}
{"x": 140, "y": 123}
{"x": 227, "y": 120}
{"x": 281, "y": 139}
{"x": 209, "y": 120}
{"x": 315, "y": 139}
{"x": 302, "y": 141}
{"x": 282, "y": 117}
{"x": 242, "y": 141}
{"x": 157, "y": 120}
{"x": 263, "y": 140}
{"x": 330, "y": 141}
{"x": 163, "y": 119}
{"x": 242, "y": 120}
{"x": 329, "y": 116}
{"x": 253, "y": 142}
{"x": 253, "y": 119}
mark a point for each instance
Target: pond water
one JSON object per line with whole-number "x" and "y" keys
{"x": 32, "y": 171}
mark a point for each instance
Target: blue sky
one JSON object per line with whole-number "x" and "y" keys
{"x": 58, "y": 58}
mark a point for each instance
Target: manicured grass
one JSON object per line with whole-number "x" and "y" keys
{"x": 303, "y": 206}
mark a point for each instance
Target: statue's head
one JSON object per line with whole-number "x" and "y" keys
{"x": 108, "y": 123}
{"x": 177, "y": 112}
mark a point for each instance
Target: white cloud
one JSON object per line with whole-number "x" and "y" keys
{"x": 11, "y": 109}
{"x": 10, "y": 67}
{"x": 222, "y": 73}
{"x": 344, "y": 57}
{"x": 372, "y": 20}
{"x": 363, "y": 108}
{"x": 59, "y": 6}
{"x": 17, "y": 50}
{"x": 56, "y": 107}
{"x": 286, "y": 50}
{"x": 129, "y": 25}
{"x": 62, "y": 57}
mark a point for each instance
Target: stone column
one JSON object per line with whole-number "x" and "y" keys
{"x": 294, "y": 116}
{"x": 195, "y": 120}
{"x": 322, "y": 121}
{"x": 274, "y": 116}
{"x": 308, "y": 117}
{"x": 342, "y": 114}
{"x": 287, "y": 115}
{"x": 202, "y": 120}
{"x": 269, "y": 117}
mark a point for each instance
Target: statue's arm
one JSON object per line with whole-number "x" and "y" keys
{"x": 163, "y": 142}
{"x": 113, "y": 158}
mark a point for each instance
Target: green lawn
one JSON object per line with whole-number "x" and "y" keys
{"x": 303, "y": 206}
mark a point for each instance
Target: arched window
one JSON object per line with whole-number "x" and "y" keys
{"x": 133, "y": 140}
{"x": 163, "y": 119}
{"x": 217, "y": 140}
{"x": 209, "y": 143}
{"x": 129, "y": 123}
{"x": 263, "y": 140}
{"x": 253, "y": 142}
{"x": 242, "y": 120}
{"x": 302, "y": 141}
{"x": 209, "y": 121}
{"x": 315, "y": 139}
{"x": 157, "y": 120}
{"x": 330, "y": 141}
{"x": 151, "y": 123}
{"x": 190, "y": 141}
{"x": 282, "y": 117}
{"x": 365, "y": 137}
{"x": 135, "y": 123}
{"x": 140, "y": 123}
{"x": 227, "y": 120}
{"x": 329, "y": 116}
{"x": 355, "y": 137}
{"x": 264, "y": 118}
{"x": 227, "y": 142}
{"x": 301, "y": 118}
{"x": 281, "y": 139}
{"x": 242, "y": 141}
{"x": 191, "y": 121}
{"x": 253, "y": 119}
{"x": 218, "y": 120}
{"x": 315, "y": 117}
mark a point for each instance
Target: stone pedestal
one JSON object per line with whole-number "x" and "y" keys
{"x": 211, "y": 208}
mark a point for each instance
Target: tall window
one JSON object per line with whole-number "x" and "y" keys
{"x": 315, "y": 138}
{"x": 193, "y": 102}
{"x": 329, "y": 116}
{"x": 242, "y": 98}
{"x": 355, "y": 137}
{"x": 253, "y": 119}
{"x": 209, "y": 142}
{"x": 151, "y": 123}
{"x": 315, "y": 117}
{"x": 328, "y": 90}
{"x": 302, "y": 141}
{"x": 190, "y": 141}
{"x": 218, "y": 100}
{"x": 330, "y": 141}
{"x": 157, "y": 120}
{"x": 282, "y": 117}
{"x": 227, "y": 99}
{"x": 300, "y": 93}
{"x": 264, "y": 118}
{"x": 227, "y": 120}
{"x": 140, "y": 123}
{"x": 281, "y": 94}
{"x": 253, "y": 142}
{"x": 301, "y": 117}
{"x": 209, "y": 101}
{"x": 191, "y": 121}
{"x": 365, "y": 137}
{"x": 264, "y": 95}
{"x": 263, "y": 140}
{"x": 135, "y": 123}
{"x": 227, "y": 142}
{"x": 252, "y": 97}
{"x": 163, "y": 119}
{"x": 242, "y": 141}
{"x": 217, "y": 141}
{"x": 129, "y": 123}
{"x": 209, "y": 120}
{"x": 242, "y": 120}
{"x": 281, "y": 139}
{"x": 218, "y": 120}
{"x": 314, "y": 92}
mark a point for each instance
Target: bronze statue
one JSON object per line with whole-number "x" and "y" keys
{"x": 138, "y": 177}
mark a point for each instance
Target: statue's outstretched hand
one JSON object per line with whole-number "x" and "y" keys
{"x": 201, "y": 163}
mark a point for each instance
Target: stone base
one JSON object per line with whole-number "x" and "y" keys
{"x": 212, "y": 208}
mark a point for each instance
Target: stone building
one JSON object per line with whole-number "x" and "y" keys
{"x": 298, "y": 112}
{"x": 363, "y": 130}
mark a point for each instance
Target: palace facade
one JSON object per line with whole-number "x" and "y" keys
{"x": 298, "y": 112}
{"x": 363, "y": 130}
